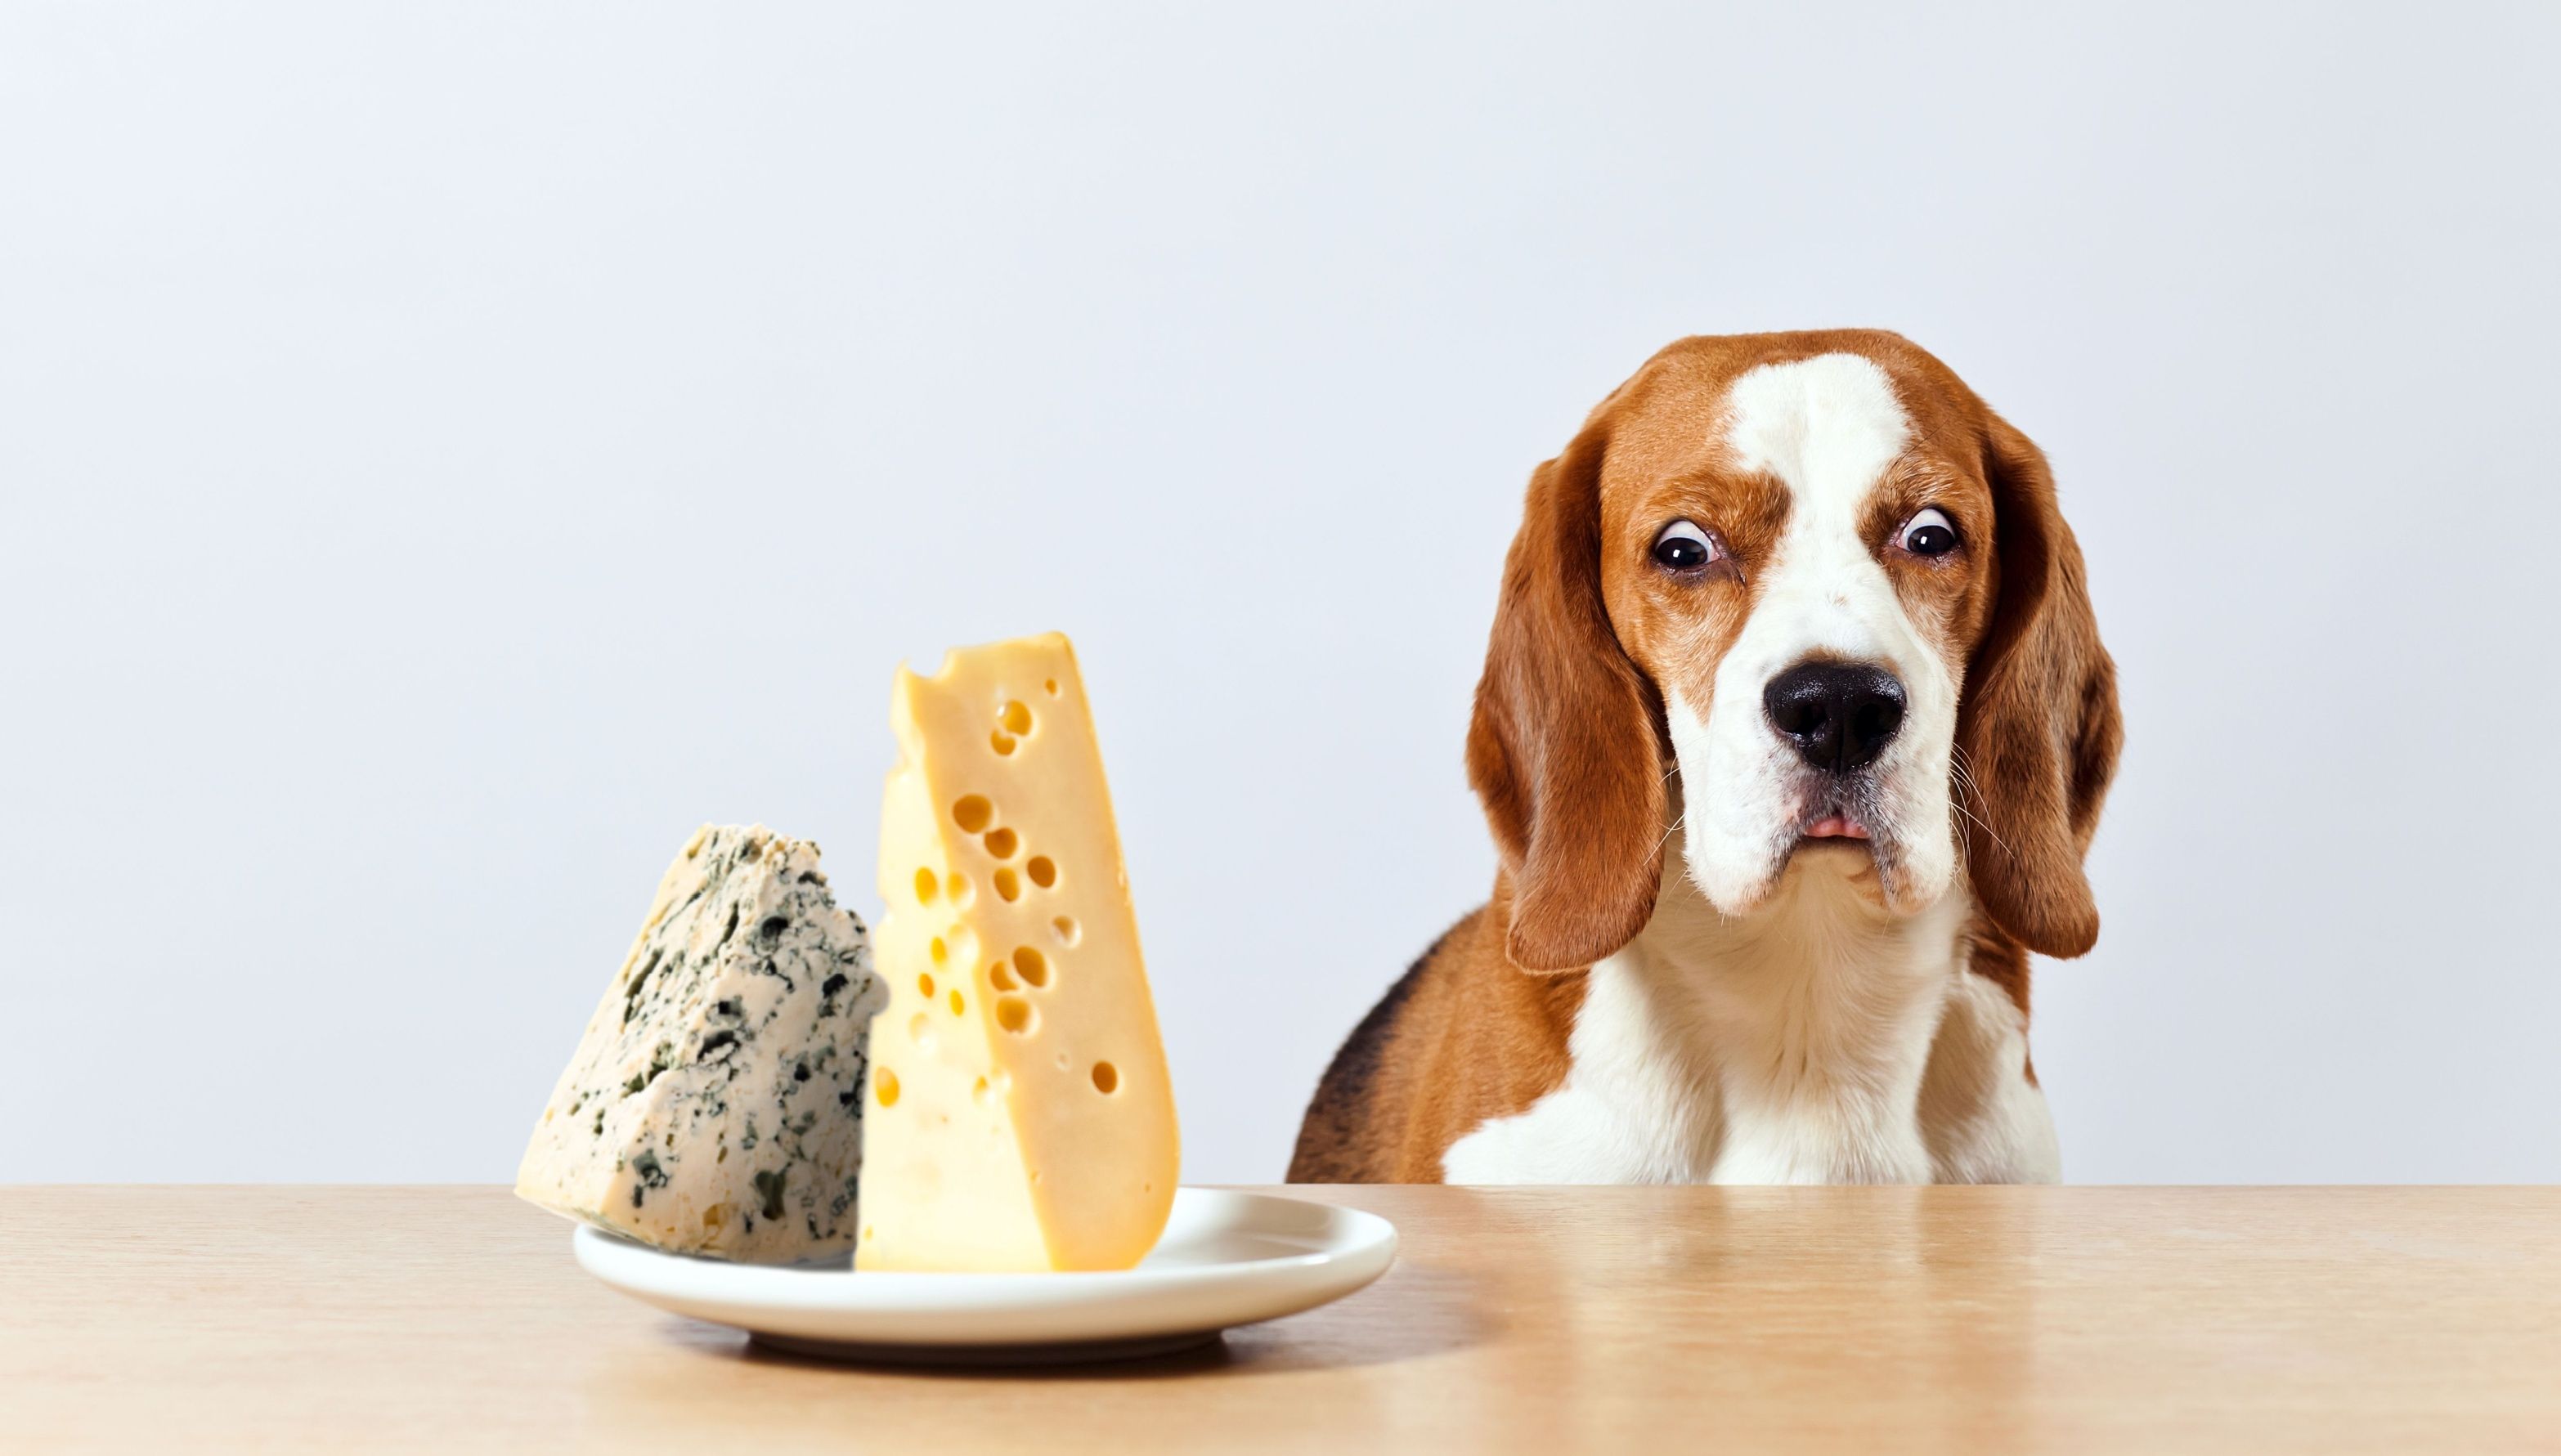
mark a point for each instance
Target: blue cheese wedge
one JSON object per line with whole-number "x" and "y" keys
{"x": 715, "y": 1105}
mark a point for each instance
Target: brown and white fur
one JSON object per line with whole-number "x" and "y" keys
{"x": 1711, "y": 956}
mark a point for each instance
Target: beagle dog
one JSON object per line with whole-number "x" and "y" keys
{"x": 1794, "y": 731}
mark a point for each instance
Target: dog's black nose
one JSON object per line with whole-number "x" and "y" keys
{"x": 1840, "y": 715}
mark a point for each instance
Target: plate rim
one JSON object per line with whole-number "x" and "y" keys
{"x": 1114, "y": 1304}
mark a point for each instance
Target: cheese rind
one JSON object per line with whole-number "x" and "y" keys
{"x": 714, "y": 1104}
{"x": 1021, "y": 1117}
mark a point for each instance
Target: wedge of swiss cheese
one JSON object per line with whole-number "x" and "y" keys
{"x": 1020, "y": 1117}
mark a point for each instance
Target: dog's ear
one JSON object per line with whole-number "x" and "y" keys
{"x": 2037, "y": 728}
{"x": 1566, "y": 745}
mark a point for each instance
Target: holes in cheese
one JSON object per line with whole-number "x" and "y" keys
{"x": 957, "y": 886}
{"x": 1013, "y": 724}
{"x": 1015, "y": 1015}
{"x": 925, "y": 984}
{"x": 885, "y": 1086}
{"x": 925, "y": 886}
{"x": 1037, "y": 1131}
{"x": 1031, "y": 965}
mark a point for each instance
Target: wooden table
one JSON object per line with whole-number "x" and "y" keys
{"x": 1641, "y": 1320}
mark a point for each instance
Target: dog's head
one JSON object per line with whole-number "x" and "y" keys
{"x": 1813, "y": 585}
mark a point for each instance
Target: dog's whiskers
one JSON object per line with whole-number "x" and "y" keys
{"x": 1964, "y": 779}
{"x": 1671, "y": 829}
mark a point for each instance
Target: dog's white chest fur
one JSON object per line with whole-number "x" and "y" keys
{"x": 1820, "y": 1040}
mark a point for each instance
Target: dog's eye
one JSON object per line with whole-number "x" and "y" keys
{"x": 1928, "y": 534}
{"x": 1682, "y": 547}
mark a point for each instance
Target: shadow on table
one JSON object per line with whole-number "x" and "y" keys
{"x": 1417, "y": 1311}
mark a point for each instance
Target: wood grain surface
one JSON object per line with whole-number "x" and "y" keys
{"x": 1955, "y": 1319}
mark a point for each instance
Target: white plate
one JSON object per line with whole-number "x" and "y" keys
{"x": 1225, "y": 1258}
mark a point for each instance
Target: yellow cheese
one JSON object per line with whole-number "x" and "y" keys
{"x": 1020, "y": 1116}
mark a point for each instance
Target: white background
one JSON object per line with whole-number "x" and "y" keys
{"x": 451, "y": 452}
